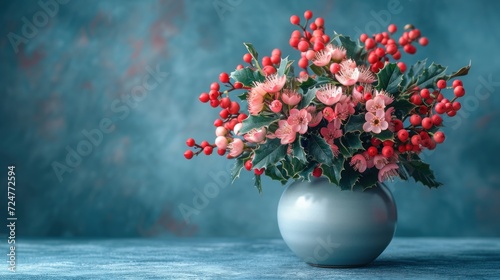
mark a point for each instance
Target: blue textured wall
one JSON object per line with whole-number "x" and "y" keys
{"x": 79, "y": 68}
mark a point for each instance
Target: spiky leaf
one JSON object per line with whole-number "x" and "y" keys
{"x": 253, "y": 122}
{"x": 307, "y": 98}
{"x": 247, "y": 76}
{"x": 320, "y": 150}
{"x": 389, "y": 79}
{"x": 269, "y": 153}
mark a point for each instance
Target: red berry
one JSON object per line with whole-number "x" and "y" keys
{"x": 380, "y": 52}
{"x": 221, "y": 152}
{"x": 234, "y": 108}
{"x": 363, "y": 37}
{"x": 457, "y": 83}
{"x": 269, "y": 70}
{"x": 427, "y": 123}
{"x": 214, "y": 103}
{"x": 415, "y": 140}
{"x": 425, "y": 93}
{"x": 378, "y": 38}
{"x": 247, "y": 58}
{"x": 303, "y": 63}
{"x": 190, "y": 142}
{"x": 259, "y": 171}
{"x": 208, "y": 150}
{"x": 238, "y": 85}
{"x": 388, "y": 143}
{"x": 367, "y": 96}
{"x": 317, "y": 172}
{"x": 398, "y": 124}
{"x": 319, "y": 22}
{"x": 392, "y": 28}
{"x": 241, "y": 117}
{"x": 239, "y": 67}
{"x": 276, "y": 52}
{"x": 451, "y": 113}
{"x": 303, "y": 46}
{"x": 215, "y": 86}
{"x": 402, "y": 148}
{"x": 204, "y": 97}
{"x": 248, "y": 165}
{"x": 391, "y": 48}
{"x": 456, "y": 106}
{"x": 375, "y": 142}
{"x": 225, "y": 102}
{"x": 423, "y": 41}
{"x": 318, "y": 46}
{"x": 414, "y": 34}
{"x": 275, "y": 59}
{"x": 214, "y": 94}
{"x": 266, "y": 60}
{"x": 334, "y": 68}
{"x": 415, "y": 120}
{"x": 440, "y": 108}
{"x": 397, "y": 55}
{"x": 441, "y": 84}
{"x": 372, "y": 151}
{"x": 459, "y": 91}
{"x": 369, "y": 43}
{"x": 373, "y": 58}
{"x": 439, "y": 137}
{"x": 218, "y": 122}
{"x": 224, "y": 77}
{"x": 403, "y": 135}
{"x": 294, "y": 20}
{"x": 224, "y": 113}
{"x": 423, "y": 110}
{"x": 204, "y": 144}
{"x": 410, "y": 49}
{"x": 415, "y": 98}
{"x": 387, "y": 151}
{"x": 437, "y": 120}
{"x": 188, "y": 154}
{"x": 308, "y": 14}
{"x": 294, "y": 42}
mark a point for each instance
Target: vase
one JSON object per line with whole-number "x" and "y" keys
{"x": 329, "y": 227}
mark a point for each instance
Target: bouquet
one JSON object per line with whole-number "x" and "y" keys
{"x": 355, "y": 113}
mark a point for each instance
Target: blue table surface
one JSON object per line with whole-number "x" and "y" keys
{"x": 244, "y": 259}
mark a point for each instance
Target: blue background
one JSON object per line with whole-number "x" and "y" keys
{"x": 79, "y": 67}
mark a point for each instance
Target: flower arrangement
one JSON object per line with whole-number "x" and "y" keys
{"x": 355, "y": 114}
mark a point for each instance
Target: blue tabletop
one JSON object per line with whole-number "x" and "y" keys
{"x": 244, "y": 259}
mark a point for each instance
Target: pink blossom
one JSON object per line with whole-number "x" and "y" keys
{"x": 366, "y": 75}
{"x": 380, "y": 161}
{"x": 338, "y": 53}
{"x": 369, "y": 160}
{"x": 303, "y": 76}
{"x": 329, "y": 94}
{"x": 285, "y": 132}
{"x": 357, "y": 96}
{"x": 375, "y": 122}
{"x": 331, "y": 132}
{"x": 274, "y": 83}
{"x": 221, "y": 142}
{"x": 343, "y": 110}
{"x": 255, "y": 102}
{"x": 291, "y": 97}
{"x": 335, "y": 150}
{"x": 358, "y": 162}
{"x": 375, "y": 104}
{"x": 348, "y": 75}
{"x": 237, "y": 128}
{"x": 276, "y": 106}
{"x": 236, "y": 147}
{"x": 256, "y": 135}
{"x": 385, "y": 96}
{"x": 329, "y": 114}
{"x": 388, "y": 172}
{"x": 299, "y": 120}
{"x": 258, "y": 88}
{"x": 322, "y": 58}
{"x": 316, "y": 116}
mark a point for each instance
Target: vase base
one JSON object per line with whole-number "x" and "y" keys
{"x": 337, "y": 266}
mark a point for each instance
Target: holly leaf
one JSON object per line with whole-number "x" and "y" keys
{"x": 307, "y": 98}
{"x": 317, "y": 70}
{"x": 461, "y": 72}
{"x": 243, "y": 96}
{"x": 247, "y": 76}
{"x": 269, "y": 153}
{"x": 306, "y": 172}
{"x": 420, "y": 171}
{"x": 430, "y": 75}
{"x": 369, "y": 178}
{"x": 384, "y": 135}
{"x": 402, "y": 107}
{"x": 235, "y": 172}
{"x": 258, "y": 183}
{"x": 283, "y": 67}
{"x": 414, "y": 71}
{"x": 349, "y": 177}
{"x": 353, "y": 141}
{"x": 307, "y": 84}
{"x": 298, "y": 150}
{"x": 355, "y": 123}
{"x": 353, "y": 50}
{"x": 252, "y": 51}
{"x": 333, "y": 172}
{"x": 320, "y": 150}
{"x": 276, "y": 172}
{"x": 389, "y": 79}
{"x": 253, "y": 122}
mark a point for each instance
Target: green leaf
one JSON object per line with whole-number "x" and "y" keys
{"x": 307, "y": 172}
{"x": 420, "y": 171}
{"x": 320, "y": 150}
{"x": 355, "y": 123}
{"x": 403, "y": 107}
{"x": 384, "y": 135}
{"x": 389, "y": 79}
{"x": 283, "y": 67}
{"x": 258, "y": 183}
{"x": 415, "y": 70}
{"x": 333, "y": 172}
{"x": 353, "y": 141}
{"x": 243, "y": 96}
{"x": 238, "y": 165}
{"x": 298, "y": 150}
{"x": 461, "y": 72}
{"x": 325, "y": 80}
{"x": 247, "y": 76}
{"x": 349, "y": 177}
{"x": 369, "y": 178}
{"x": 258, "y": 121}
{"x": 307, "y": 84}
{"x": 307, "y": 98}
{"x": 430, "y": 75}
{"x": 252, "y": 51}
{"x": 269, "y": 153}
{"x": 353, "y": 50}
{"x": 276, "y": 172}
{"x": 317, "y": 70}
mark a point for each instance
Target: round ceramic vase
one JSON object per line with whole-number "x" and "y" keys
{"x": 328, "y": 227}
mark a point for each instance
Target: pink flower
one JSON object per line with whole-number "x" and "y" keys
{"x": 255, "y": 102}
{"x": 329, "y": 114}
{"x": 369, "y": 160}
{"x": 331, "y": 132}
{"x": 258, "y": 88}
{"x": 335, "y": 150}
{"x": 338, "y": 53}
{"x": 329, "y": 94}
{"x": 366, "y": 75}
{"x": 358, "y": 162}
{"x": 303, "y": 76}
{"x": 357, "y": 96}
{"x": 299, "y": 120}
{"x": 316, "y": 116}
{"x": 344, "y": 110}
{"x": 285, "y": 132}
{"x": 322, "y": 58}
{"x": 276, "y": 106}
{"x": 385, "y": 96}
{"x": 221, "y": 142}
{"x": 236, "y": 147}
{"x": 375, "y": 122}
{"x": 348, "y": 75}
{"x": 375, "y": 104}
{"x": 379, "y": 161}
{"x": 274, "y": 83}
{"x": 256, "y": 135}
{"x": 388, "y": 172}
{"x": 237, "y": 128}
{"x": 291, "y": 97}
